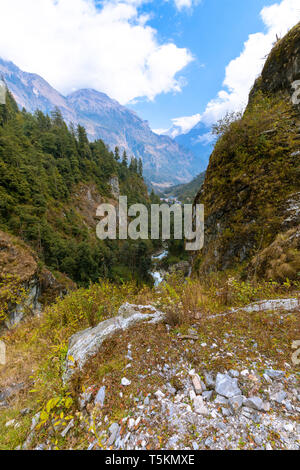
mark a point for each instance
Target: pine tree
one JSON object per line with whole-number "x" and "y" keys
{"x": 125, "y": 159}
{"x": 117, "y": 154}
{"x": 140, "y": 167}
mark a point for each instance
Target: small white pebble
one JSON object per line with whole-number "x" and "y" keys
{"x": 125, "y": 382}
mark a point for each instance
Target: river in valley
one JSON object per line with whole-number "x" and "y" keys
{"x": 158, "y": 276}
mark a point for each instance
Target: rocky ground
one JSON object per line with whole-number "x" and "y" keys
{"x": 197, "y": 388}
{"x": 214, "y": 413}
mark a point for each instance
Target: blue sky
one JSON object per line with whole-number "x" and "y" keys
{"x": 214, "y": 31}
{"x": 174, "y": 62}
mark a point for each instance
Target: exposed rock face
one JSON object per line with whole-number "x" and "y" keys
{"x": 251, "y": 190}
{"x": 115, "y": 188}
{"x": 86, "y": 199}
{"x": 183, "y": 267}
{"x": 20, "y": 262}
{"x": 87, "y": 343}
{"x": 282, "y": 67}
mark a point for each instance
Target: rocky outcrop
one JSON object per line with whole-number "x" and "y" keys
{"x": 251, "y": 189}
{"x": 282, "y": 68}
{"x": 20, "y": 271}
{"x": 87, "y": 343}
{"x": 181, "y": 268}
{"x": 115, "y": 187}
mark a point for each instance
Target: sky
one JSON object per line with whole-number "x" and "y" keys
{"x": 174, "y": 62}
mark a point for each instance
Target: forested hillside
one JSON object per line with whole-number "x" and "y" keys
{"x": 51, "y": 182}
{"x": 186, "y": 192}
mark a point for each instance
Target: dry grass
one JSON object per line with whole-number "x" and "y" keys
{"x": 37, "y": 348}
{"x": 280, "y": 260}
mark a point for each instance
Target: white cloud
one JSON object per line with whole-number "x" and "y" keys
{"x": 161, "y": 131}
{"x": 205, "y": 139}
{"x": 242, "y": 71}
{"x": 73, "y": 44}
{"x": 181, "y": 125}
{"x": 186, "y": 123}
{"x": 181, "y": 4}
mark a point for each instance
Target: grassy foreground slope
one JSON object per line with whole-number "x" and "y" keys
{"x": 39, "y": 406}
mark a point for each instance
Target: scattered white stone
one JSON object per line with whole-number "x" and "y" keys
{"x": 197, "y": 384}
{"x": 207, "y": 395}
{"x": 199, "y": 406}
{"x": 137, "y": 422}
{"x": 131, "y": 423}
{"x": 236, "y": 403}
{"x": 68, "y": 428}
{"x": 274, "y": 374}
{"x": 254, "y": 402}
{"x": 209, "y": 380}
{"x": 10, "y": 423}
{"x": 219, "y": 400}
{"x": 100, "y": 397}
{"x": 87, "y": 343}
{"x": 159, "y": 394}
{"x": 35, "y": 421}
{"x": 234, "y": 373}
{"x": 288, "y": 405}
{"x": 125, "y": 382}
{"x": 266, "y": 407}
{"x": 114, "y": 431}
{"x": 267, "y": 378}
{"x": 279, "y": 397}
{"x": 227, "y": 386}
{"x": 289, "y": 427}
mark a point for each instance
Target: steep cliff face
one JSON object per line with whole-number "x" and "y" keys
{"x": 251, "y": 191}
{"x": 282, "y": 68}
{"x": 24, "y": 285}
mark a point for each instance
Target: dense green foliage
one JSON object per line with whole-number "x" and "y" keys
{"x": 46, "y": 172}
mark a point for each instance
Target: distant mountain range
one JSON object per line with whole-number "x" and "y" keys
{"x": 200, "y": 141}
{"x": 185, "y": 193}
{"x": 166, "y": 161}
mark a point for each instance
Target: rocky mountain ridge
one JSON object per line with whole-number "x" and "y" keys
{"x": 165, "y": 161}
